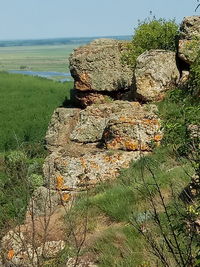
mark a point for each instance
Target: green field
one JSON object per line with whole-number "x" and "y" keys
{"x": 26, "y": 106}
{"x": 36, "y": 58}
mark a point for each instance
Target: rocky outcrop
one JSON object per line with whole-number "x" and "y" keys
{"x": 97, "y": 70}
{"x": 89, "y": 155}
{"x": 189, "y": 43}
{"x": 156, "y": 72}
{"x": 87, "y": 146}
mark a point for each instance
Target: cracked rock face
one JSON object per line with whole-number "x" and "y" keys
{"x": 104, "y": 138}
{"x": 156, "y": 72}
{"x": 134, "y": 132}
{"x": 94, "y": 119}
{"x": 77, "y": 173}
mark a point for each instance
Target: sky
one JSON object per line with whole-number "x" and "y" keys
{"x": 40, "y": 19}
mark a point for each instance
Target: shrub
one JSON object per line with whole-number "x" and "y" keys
{"x": 152, "y": 34}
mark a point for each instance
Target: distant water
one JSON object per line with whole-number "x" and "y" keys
{"x": 59, "y": 41}
{"x": 44, "y": 74}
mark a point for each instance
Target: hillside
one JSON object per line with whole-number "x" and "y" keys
{"x": 118, "y": 184}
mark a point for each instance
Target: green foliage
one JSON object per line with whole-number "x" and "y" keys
{"x": 19, "y": 176}
{"x": 179, "y": 110}
{"x": 194, "y": 83}
{"x": 26, "y": 106}
{"x": 152, "y": 34}
{"x": 120, "y": 247}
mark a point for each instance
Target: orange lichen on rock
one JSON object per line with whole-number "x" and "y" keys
{"x": 59, "y": 182}
{"x": 150, "y": 121}
{"x": 10, "y": 254}
{"x": 83, "y": 162}
{"x": 66, "y": 197}
{"x": 158, "y": 137}
{"x": 94, "y": 165}
{"x": 131, "y": 145}
{"x": 128, "y": 120}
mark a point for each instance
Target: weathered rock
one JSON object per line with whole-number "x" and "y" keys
{"x": 45, "y": 201}
{"x": 190, "y": 28}
{"x": 81, "y": 163}
{"x": 134, "y": 131}
{"x": 94, "y": 119}
{"x": 18, "y": 251}
{"x": 61, "y": 124}
{"x": 156, "y": 72}
{"x": 189, "y": 43}
{"x": 98, "y": 67}
{"x": 77, "y": 173}
{"x": 88, "y": 98}
{"x": 188, "y": 50}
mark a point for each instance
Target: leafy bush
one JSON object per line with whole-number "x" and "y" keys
{"x": 179, "y": 110}
{"x": 152, "y": 34}
{"x": 20, "y": 175}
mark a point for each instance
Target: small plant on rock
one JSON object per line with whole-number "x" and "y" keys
{"x": 151, "y": 34}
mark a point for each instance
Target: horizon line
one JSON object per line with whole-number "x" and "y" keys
{"x": 52, "y": 38}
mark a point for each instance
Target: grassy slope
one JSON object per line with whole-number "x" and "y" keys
{"x": 116, "y": 242}
{"x": 41, "y": 58}
{"x": 26, "y": 105}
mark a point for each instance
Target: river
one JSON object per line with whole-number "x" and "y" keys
{"x": 63, "y": 77}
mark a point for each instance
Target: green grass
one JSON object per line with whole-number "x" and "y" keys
{"x": 36, "y": 58}
{"x": 124, "y": 201}
{"x": 26, "y": 106}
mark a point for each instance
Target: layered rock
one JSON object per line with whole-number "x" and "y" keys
{"x": 189, "y": 43}
{"x": 69, "y": 173}
{"x": 156, "y": 72}
{"x": 97, "y": 70}
{"x": 90, "y": 154}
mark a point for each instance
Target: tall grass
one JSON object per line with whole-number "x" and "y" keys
{"x": 26, "y": 105}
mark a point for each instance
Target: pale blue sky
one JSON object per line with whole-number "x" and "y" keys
{"x": 25, "y": 19}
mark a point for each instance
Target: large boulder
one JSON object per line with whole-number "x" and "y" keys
{"x": 98, "y": 71}
{"x": 156, "y": 72}
{"x": 189, "y": 43}
{"x": 98, "y": 66}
